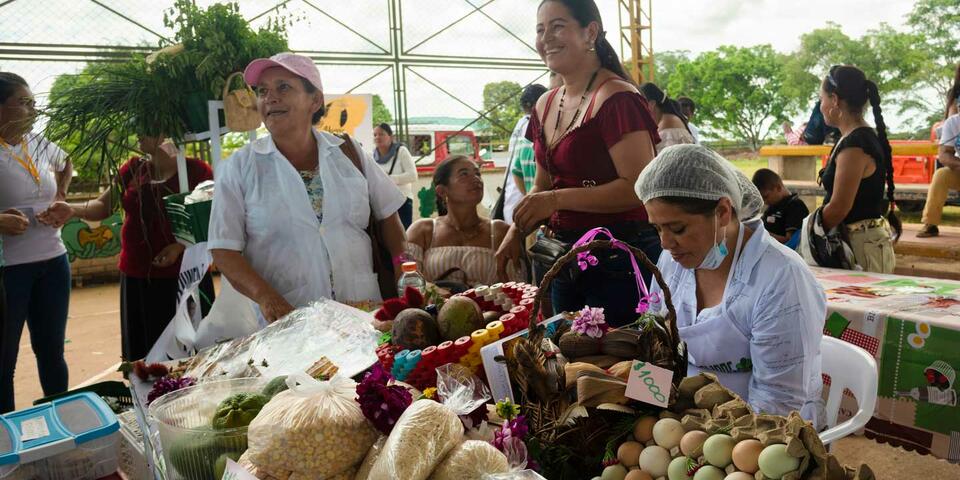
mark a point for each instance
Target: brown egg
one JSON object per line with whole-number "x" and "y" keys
{"x": 629, "y": 453}
{"x": 746, "y": 455}
{"x": 637, "y": 475}
{"x": 691, "y": 444}
{"x": 643, "y": 430}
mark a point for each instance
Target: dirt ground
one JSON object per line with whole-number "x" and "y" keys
{"x": 93, "y": 351}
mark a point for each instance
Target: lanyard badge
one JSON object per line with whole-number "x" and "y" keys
{"x": 26, "y": 161}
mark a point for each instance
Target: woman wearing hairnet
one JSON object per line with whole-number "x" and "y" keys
{"x": 748, "y": 308}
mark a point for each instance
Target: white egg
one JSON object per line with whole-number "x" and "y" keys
{"x": 775, "y": 462}
{"x": 677, "y": 470}
{"x": 709, "y": 472}
{"x": 614, "y": 472}
{"x": 654, "y": 460}
{"x": 718, "y": 450}
{"x": 739, "y": 476}
{"x": 667, "y": 433}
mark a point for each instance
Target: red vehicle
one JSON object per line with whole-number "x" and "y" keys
{"x": 431, "y": 144}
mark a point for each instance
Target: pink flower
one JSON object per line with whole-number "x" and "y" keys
{"x": 590, "y": 322}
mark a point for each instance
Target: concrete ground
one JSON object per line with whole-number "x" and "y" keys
{"x": 93, "y": 351}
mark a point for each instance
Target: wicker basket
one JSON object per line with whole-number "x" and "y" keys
{"x": 550, "y": 419}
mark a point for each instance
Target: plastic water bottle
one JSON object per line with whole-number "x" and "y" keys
{"x": 411, "y": 278}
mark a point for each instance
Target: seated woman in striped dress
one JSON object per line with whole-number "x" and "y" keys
{"x": 459, "y": 245}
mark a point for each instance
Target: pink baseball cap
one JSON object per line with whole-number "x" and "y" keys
{"x": 296, "y": 64}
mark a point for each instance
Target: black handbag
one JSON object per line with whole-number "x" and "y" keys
{"x": 545, "y": 252}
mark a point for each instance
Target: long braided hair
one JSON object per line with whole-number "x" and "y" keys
{"x": 851, "y": 85}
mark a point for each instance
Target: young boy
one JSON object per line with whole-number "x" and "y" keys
{"x": 785, "y": 211}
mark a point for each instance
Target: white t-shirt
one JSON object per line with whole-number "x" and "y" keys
{"x": 19, "y": 190}
{"x": 949, "y": 132}
{"x": 404, "y": 173}
{"x": 694, "y": 132}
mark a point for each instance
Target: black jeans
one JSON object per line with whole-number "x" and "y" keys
{"x": 610, "y": 284}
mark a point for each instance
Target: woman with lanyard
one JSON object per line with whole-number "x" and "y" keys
{"x": 592, "y": 137}
{"x": 395, "y": 160}
{"x": 149, "y": 253}
{"x": 33, "y": 174}
{"x": 748, "y": 308}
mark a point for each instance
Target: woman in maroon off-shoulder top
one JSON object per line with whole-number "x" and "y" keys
{"x": 592, "y": 137}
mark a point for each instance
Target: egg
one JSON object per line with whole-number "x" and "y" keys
{"x": 614, "y": 472}
{"x": 678, "y": 468}
{"x": 629, "y": 453}
{"x": 643, "y": 430}
{"x": 638, "y": 475}
{"x": 746, "y": 454}
{"x": 691, "y": 444}
{"x": 718, "y": 450}
{"x": 739, "y": 476}
{"x": 667, "y": 433}
{"x": 775, "y": 462}
{"x": 655, "y": 460}
{"x": 709, "y": 472}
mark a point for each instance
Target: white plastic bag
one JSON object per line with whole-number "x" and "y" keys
{"x": 178, "y": 339}
{"x": 427, "y": 431}
{"x": 313, "y": 430}
{"x": 521, "y": 475}
{"x": 232, "y": 316}
{"x": 471, "y": 460}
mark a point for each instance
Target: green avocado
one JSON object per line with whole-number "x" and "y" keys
{"x": 275, "y": 386}
{"x": 238, "y": 410}
{"x": 195, "y": 457}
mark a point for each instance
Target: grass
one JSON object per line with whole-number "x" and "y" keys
{"x": 748, "y": 163}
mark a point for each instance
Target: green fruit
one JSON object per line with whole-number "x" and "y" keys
{"x": 275, "y": 386}
{"x": 238, "y": 410}
{"x": 459, "y": 317}
{"x": 414, "y": 329}
{"x": 195, "y": 456}
{"x": 221, "y": 464}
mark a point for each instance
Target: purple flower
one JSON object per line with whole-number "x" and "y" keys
{"x": 590, "y": 322}
{"x": 168, "y": 384}
{"x": 382, "y": 405}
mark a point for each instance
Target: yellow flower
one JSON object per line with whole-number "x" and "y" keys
{"x": 430, "y": 393}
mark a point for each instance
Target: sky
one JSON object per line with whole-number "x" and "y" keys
{"x": 693, "y": 25}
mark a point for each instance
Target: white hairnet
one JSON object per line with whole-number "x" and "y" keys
{"x": 693, "y": 171}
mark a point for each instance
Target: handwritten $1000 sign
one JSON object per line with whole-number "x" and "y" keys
{"x": 649, "y": 383}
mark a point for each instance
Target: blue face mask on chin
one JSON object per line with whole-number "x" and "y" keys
{"x": 718, "y": 252}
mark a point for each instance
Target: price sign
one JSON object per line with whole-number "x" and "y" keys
{"x": 649, "y": 383}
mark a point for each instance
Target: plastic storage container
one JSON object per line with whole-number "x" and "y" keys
{"x": 184, "y": 418}
{"x": 73, "y": 438}
{"x": 10, "y": 468}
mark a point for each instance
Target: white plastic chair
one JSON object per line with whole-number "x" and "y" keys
{"x": 849, "y": 367}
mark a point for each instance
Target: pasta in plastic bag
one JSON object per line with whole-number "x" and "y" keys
{"x": 363, "y": 473}
{"x": 313, "y": 430}
{"x": 521, "y": 475}
{"x": 428, "y": 430}
{"x": 470, "y": 461}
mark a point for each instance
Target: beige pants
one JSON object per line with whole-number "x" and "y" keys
{"x": 944, "y": 180}
{"x": 873, "y": 249}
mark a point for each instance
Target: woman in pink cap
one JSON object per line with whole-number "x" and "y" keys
{"x": 290, "y": 210}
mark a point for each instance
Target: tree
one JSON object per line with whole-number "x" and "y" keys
{"x": 502, "y": 102}
{"x": 739, "y": 91}
{"x": 935, "y": 21}
{"x": 894, "y": 60}
{"x": 381, "y": 114}
{"x": 664, "y": 63}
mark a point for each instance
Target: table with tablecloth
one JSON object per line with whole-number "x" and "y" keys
{"x": 911, "y": 326}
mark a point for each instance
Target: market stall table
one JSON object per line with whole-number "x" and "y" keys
{"x": 912, "y": 326}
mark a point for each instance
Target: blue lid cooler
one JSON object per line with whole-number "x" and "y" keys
{"x": 75, "y": 437}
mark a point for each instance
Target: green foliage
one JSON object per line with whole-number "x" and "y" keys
{"x": 664, "y": 65}
{"x": 739, "y": 91}
{"x": 502, "y": 101}
{"x": 896, "y": 61}
{"x": 936, "y": 21}
{"x": 381, "y": 114}
{"x": 218, "y": 41}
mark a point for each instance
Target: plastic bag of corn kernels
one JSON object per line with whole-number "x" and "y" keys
{"x": 427, "y": 431}
{"x": 470, "y": 461}
{"x": 313, "y": 430}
